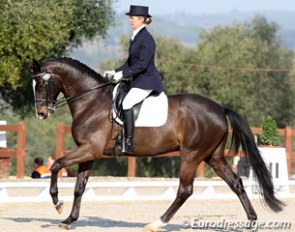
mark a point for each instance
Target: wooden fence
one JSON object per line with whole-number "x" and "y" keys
{"x": 19, "y": 153}
{"x": 286, "y": 133}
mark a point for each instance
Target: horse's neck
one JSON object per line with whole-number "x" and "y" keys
{"x": 85, "y": 92}
{"x": 73, "y": 86}
{"x": 97, "y": 102}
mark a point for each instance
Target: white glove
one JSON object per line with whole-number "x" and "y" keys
{"x": 118, "y": 76}
{"x": 109, "y": 74}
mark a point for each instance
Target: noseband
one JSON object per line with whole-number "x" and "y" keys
{"x": 49, "y": 101}
{"x": 52, "y": 104}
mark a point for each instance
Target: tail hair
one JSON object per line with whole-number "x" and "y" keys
{"x": 243, "y": 136}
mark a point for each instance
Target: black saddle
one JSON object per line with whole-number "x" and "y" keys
{"x": 122, "y": 91}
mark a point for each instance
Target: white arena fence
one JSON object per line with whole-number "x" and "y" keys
{"x": 135, "y": 190}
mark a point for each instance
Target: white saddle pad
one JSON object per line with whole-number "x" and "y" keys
{"x": 153, "y": 112}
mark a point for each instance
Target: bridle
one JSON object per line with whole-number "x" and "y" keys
{"x": 52, "y": 104}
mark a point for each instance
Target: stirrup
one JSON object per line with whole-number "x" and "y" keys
{"x": 128, "y": 147}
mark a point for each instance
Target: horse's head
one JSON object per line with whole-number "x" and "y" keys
{"x": 46, "y": 89}
{"x": 75, "y": 80}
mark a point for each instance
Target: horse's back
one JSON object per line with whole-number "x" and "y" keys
{"x": 196, "y": 102}
{"x": 199, "y": 108}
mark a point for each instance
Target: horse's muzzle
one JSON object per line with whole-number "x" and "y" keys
{"x": 43, "y": 112}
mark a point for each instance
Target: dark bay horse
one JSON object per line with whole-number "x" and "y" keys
{"x": 196, "y": 126}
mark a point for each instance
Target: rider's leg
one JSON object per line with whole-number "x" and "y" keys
{"x": 134, "y": 96}
{"x": 128, "y": 131}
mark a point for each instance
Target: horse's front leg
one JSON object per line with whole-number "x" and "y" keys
{"x": 83, "y": 175}
{"x": 54, "y": 192}
{"x": 81, "y": 155}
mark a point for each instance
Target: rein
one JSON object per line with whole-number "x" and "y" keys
{"x": 63, "y": 101}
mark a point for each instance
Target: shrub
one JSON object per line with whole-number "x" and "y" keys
{"x": 269, "y": 134}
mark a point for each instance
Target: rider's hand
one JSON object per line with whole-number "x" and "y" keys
{"x": 109, "y": 74}
{"x": 118, "y": 76}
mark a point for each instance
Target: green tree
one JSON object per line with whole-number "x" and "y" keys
{"x": 170, "y": 57}
{"x": 40, "y": 29}
{"x": 238, "y": 57}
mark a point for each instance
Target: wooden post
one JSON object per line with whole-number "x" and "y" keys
{"x": 21, "y": 144}
{"x": 60, "y": 143}
{"x": 131, "y": 167}
{"x": 60, "y": 140}
{"x": 4, "y": 161}
{"x": 4, "y": 164}
{"x": 288, "y": 146}
{"x": 201, "y": 169}
{"x": 19, "y": 153}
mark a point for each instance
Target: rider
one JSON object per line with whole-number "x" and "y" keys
{"x": 140, "y": 68}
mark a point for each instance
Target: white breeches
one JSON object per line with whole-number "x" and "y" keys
{"x": 134, "y": 96}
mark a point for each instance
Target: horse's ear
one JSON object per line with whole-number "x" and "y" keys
{"x": 35, "y": 66}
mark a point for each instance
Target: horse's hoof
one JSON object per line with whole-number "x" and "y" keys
{"x": 64, "y": 226}
{"x": 154, "y": 227}
{"x": 148, "y": 228}
{"x": 59, "y": 206}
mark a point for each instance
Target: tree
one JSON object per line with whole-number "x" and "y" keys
{"x": 171, "y": 56}
{"x": 239, "y": 57}
{"x": 40, "y": 29}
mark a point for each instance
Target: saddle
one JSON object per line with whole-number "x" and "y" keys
{"x": 121, "y": 91}
{"x": 151, "y": 112}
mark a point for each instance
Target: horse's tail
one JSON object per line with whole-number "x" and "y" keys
{"x": 242, "y": 135}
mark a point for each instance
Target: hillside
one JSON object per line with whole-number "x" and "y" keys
{"x": 183, "y": 27}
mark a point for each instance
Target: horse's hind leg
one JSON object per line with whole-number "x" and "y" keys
{"x": 82, "y": 178}
{"x": 189, "y": 164}
{"x": 221, "y": 167}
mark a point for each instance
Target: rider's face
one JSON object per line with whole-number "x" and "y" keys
{"x": 136, "y": 22}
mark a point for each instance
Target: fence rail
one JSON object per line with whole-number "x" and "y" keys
{"x": 287, "y": 133}
{"x": 19, "y": 153}
{"x": 136, "y": 190}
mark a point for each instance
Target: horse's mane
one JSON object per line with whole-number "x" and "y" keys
{"x": 76, "y": 64}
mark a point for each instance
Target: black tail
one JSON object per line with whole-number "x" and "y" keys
{"x": 242, "y": 135}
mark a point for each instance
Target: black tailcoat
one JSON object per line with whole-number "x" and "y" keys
{"x": 140, "y": 64}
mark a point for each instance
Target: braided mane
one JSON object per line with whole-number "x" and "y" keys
{"x": 80, "y": 67}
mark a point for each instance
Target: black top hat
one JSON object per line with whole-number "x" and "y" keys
{"x": 139, "y": 11}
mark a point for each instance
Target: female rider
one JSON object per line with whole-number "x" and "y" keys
{"x": 140, "y": 68}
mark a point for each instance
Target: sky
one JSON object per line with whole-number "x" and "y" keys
{"x": 160, "y": 7}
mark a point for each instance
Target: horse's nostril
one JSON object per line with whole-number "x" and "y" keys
{"x": 42, "y": 116}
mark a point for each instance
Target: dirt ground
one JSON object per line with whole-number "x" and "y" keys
{"x": 133, "y": 216}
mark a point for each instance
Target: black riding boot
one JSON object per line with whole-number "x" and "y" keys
{"x": 128, "y": 131}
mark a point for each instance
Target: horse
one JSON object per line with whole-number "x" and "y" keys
{"x": 196, "y": 126}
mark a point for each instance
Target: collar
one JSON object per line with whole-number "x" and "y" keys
{"x": 135, "y": 32}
